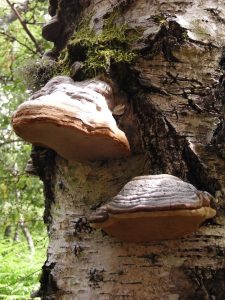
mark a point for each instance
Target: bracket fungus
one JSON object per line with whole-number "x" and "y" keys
{"x": 154, "y": 207}
{"x": 74, "y": 119}
{"x": 52, "y": 30}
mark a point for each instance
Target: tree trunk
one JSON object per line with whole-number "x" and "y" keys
{"x": 8, "y": 231}
{"x": 173, "y": 120}
{"x": 16, "y": 237}
{"x": 28, "y": 236}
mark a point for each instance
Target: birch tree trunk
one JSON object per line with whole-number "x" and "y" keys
{"x": 174, "y": 121}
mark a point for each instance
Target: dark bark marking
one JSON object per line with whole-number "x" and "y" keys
{"x": 81, "y": 225}
{"x": 95, "y": 277}
{"x": 208, "y": 283}
{"x": 152, "y": 258}
{"x": 77, "y": 250}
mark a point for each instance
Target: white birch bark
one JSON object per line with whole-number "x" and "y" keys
{"x": 172, "y": 114}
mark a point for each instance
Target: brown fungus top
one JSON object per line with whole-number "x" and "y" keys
{"x": 72, "y": 118}
{"x": 154, "y": 207}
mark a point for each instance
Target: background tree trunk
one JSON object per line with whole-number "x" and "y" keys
{"x": 173, "y": 111}
{"x": 27, "y": 236}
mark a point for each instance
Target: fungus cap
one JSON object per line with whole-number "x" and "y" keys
{"x": 73, "y": 119}
{"x": 51, "y": 31}
{"x": 154, "y": 207}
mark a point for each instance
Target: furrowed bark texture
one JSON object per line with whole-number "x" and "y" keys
{"x": 174, "y": 121}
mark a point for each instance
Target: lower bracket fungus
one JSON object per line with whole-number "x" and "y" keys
{"x": 154, "y": 207}
{"x": 74, "y": 119}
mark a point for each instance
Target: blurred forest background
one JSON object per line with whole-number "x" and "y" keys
{"x": 22, "y": 232}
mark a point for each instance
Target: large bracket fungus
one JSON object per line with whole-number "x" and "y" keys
{"x": 74, "y": 119}
{"x": 154, "y": 207}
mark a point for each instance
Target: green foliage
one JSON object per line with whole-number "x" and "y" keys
{"x": 100, "y": 51}
{"x": 19, "y": 194}
{"x": 160, "y": 19}
{"x": 16, "y": 47}
{"x": 21, "y": 197}
{"x": 19, "y": 270}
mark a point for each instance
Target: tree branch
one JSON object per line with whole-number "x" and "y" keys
{"x": 24, "y": 25}
{"x": 16, "y": 234}
{"x": 12, "y": 39}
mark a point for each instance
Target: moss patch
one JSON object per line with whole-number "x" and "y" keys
{"x": 100, "y": 51}
{"x": 36, "y": 73}
{"x": 97, "y": 52}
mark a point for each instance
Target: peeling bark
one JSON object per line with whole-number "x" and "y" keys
{"x": 175, "y": 93}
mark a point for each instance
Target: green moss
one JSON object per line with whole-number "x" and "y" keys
{"x": 100, "y": 51}
{"x": 160, "y": 19}
{"x": 185, "y": 36}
